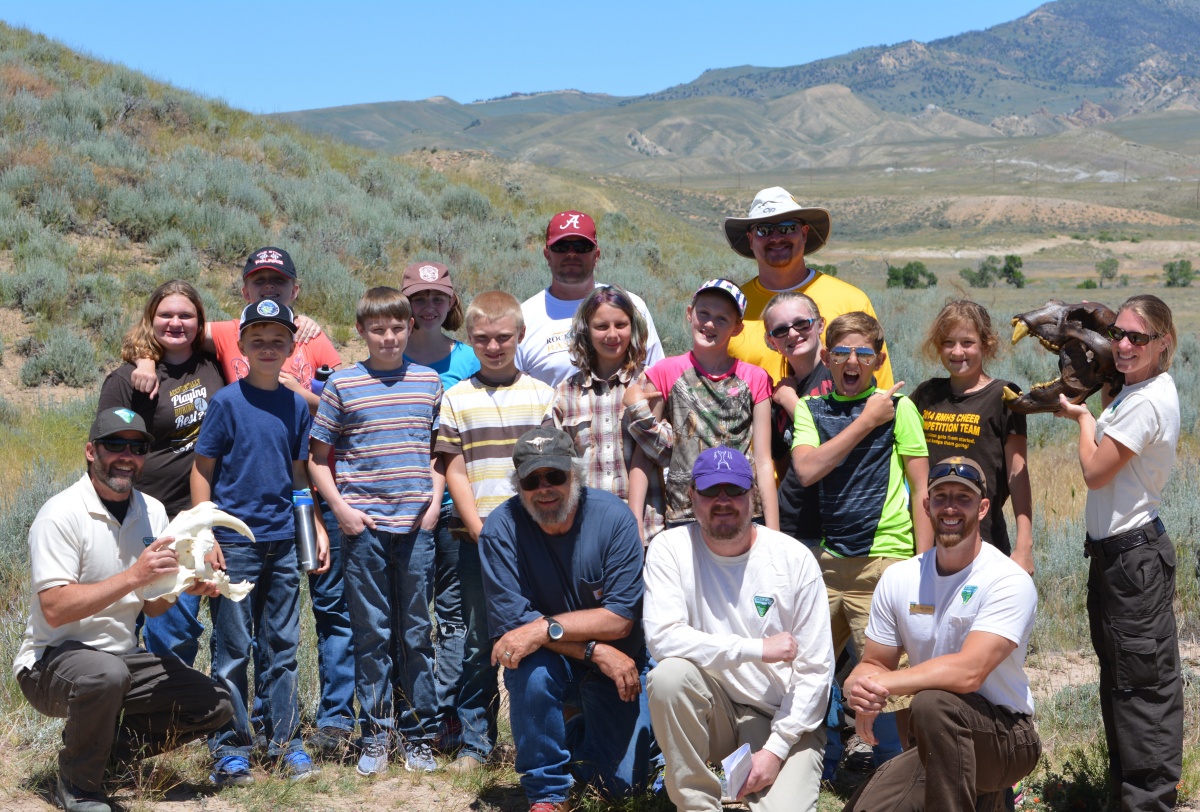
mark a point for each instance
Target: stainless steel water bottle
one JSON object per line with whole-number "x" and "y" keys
{"x": 306, "y": 530}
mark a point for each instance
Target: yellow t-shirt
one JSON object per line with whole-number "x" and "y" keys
{"x": 833, "y": 296}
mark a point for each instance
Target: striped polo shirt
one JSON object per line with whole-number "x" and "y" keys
{"x": 381, "y": 426}
{"x": 483, "y": 423}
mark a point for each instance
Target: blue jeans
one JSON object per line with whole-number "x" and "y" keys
{"x": 607, "y": 745}
{"x": 479, "y": 696}
{"x": 270, "y": 613}
{"x": 335, "y": 641}
{"x": 389, "y": 585}
{"x": 176, "y": 631}
{"x": 447, "y": 605}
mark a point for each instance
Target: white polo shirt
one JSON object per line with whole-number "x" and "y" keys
{"x": 75, "y": 540}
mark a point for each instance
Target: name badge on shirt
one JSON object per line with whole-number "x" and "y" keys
{"x": 920, "y": 609}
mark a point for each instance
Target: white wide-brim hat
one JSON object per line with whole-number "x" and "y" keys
{"x": 772, "y": 204}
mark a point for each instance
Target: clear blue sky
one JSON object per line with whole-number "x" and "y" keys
{"x": 272, "y": 56}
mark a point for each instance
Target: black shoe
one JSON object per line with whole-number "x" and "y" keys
{"x": 331, "y": 743}
{"x": 73, "y": 799}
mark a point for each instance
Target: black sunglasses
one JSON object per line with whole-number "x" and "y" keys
{"x": 801, "y": 326}
{"x": 957, "y": 469}
{"x": 573, "y": 246}
{"x": 1115, "y": 334}
{"x": 840, "y": 355}
{"x": 137, "y": 448}
{"x": 767, "y": 229}
{"x": 553, "y": 478}
{"x": 730, "y": 490}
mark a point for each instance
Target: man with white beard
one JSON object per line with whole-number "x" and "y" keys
{"x": 963, "y": 611}
{"x": 562, "y": 570}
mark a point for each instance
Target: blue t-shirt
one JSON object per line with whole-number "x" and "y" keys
{"x": 254, "y": 435}
{"x": 459, "y": 365}
{"x": 528, "y": 574}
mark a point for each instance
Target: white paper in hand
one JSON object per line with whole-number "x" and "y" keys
{"x": 737, "y": 769}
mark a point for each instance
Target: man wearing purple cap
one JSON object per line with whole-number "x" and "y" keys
{"x": 963, "y": 612}
{"x": 571, "y": 252}
{"x": 737, "y": 617}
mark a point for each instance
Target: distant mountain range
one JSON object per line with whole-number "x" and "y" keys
{"x": 1068, "y": 64}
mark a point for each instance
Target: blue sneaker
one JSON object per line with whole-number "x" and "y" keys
{"x": 419, "y": 759}
{"x": 231, "y": 771}
{"x": 297, "y": 766}
{"x": 374, "y": 759}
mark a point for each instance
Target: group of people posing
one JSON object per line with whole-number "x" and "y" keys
{"x": 665, "y": 557}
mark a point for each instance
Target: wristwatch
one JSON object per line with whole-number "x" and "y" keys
{"x": 554, "y": 629}
{"x": 589, "y": 651}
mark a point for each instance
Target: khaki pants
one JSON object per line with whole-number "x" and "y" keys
{"x": 695, "y": 723}
{"x": 850, "y": 583}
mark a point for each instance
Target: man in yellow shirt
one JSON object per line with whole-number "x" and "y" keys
{"x": 778, "y": 233}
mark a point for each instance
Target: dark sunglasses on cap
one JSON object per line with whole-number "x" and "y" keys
{"x": 767, "y": 229}
{"x": 801, "y": 326}
{"x": 137, "y": 448}
{"x": 553, "y": 478}
{"x": 943, "y": 469}
{"x": 573, "y": 246}
{"x": 730, "y": 490}
{"x": 865, "y": 355}
{"x": 1115, "y": 334}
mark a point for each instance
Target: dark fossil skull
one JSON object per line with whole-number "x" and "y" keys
{"x": 1085, "y": 360}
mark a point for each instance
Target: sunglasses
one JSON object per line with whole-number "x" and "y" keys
{"x": 1115, "y": 334}
{"x": 137, "y": 448}
{"x": 553, "y": 478}
{"x": 840, "y": 355}
{"x": 801, "y": 326}
{"x": 730, "y": 490}
{"x": 956, "y": 469}
{"x": 573, "y": 247}
{"x": 767, "y": 229}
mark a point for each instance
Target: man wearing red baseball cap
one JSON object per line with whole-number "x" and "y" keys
{"x": 571, "y": 252}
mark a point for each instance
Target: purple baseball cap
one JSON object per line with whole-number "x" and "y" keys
{"x": 722, "y": 466}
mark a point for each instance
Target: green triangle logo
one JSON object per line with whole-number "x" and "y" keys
{"x": 968, "y": 592}
{"x": 762, "y": 604}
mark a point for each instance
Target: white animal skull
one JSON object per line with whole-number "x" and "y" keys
{"x": 193, "y": 534}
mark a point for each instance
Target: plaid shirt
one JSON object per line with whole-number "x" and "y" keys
{"x": 606, "y": 435}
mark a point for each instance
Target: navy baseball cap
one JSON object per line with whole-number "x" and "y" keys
{"x": 266, "y": 311}
{"x": 722, "y": 466}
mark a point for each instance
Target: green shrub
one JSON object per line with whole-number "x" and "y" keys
{"x": 1179, "y": 274}
{"x": 457, "y": 200}
{"x": 168, "y": 242}
{"x": 183, "y": 264}
{"x": 66, "y": 357}
{"x": 913, "y": 275}
{"x": 1088, "y": 284}
{"x": 98, "y": 287}
{"x": 21, "y": 183}
{"x": 41, "y": 288}
{"x": 55, "y": 209}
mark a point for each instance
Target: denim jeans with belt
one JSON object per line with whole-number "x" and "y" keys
{"x": 607, "y": 745}
{"x": 389, "y": 585}
{"x": 270, "y": 614}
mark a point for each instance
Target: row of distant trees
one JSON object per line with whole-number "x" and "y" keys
{"x": 993, "y": 271}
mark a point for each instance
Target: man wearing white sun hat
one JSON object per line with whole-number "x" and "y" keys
{"x": 779, "y": 233}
